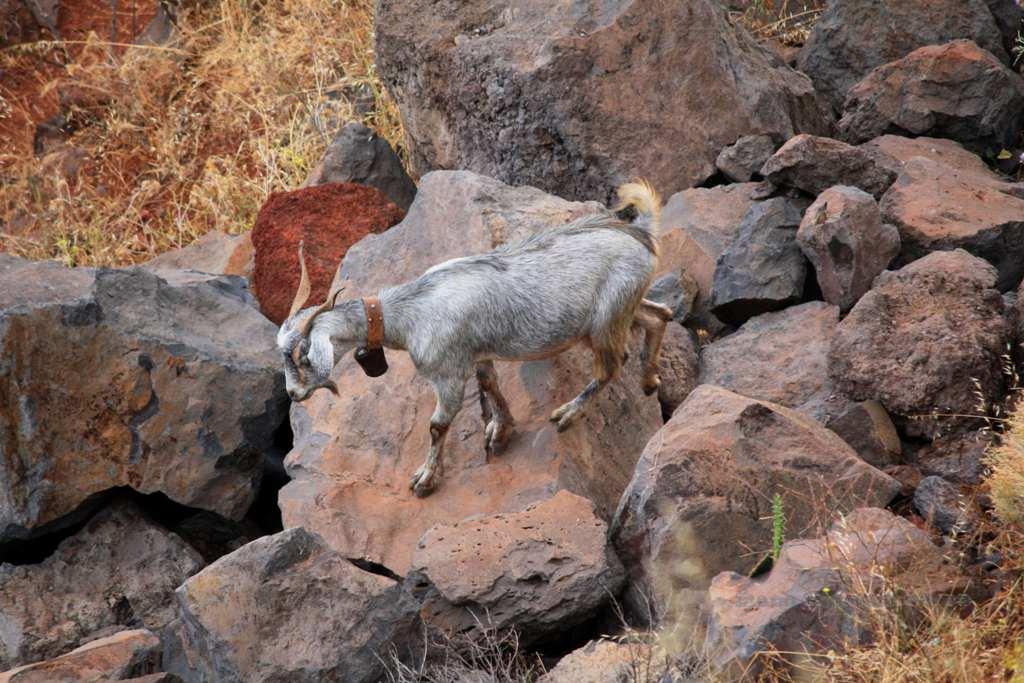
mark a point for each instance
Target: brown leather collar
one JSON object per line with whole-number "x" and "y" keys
{"x": 374, "y": 322}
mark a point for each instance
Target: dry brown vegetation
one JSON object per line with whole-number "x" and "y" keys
{"x": 192, "y": 135}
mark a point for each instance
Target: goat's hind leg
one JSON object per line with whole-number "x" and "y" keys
{"x": 449, "y": 393}
{"x": 494, "y": 409}
{"x": 653, "y": 318}
{"x": 606, "y": 366}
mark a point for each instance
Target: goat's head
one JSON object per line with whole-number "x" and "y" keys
{"x": 308, "y": 353}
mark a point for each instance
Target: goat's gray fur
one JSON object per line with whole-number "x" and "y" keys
{"x": 580, "y": 282}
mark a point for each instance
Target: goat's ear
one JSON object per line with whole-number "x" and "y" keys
{"x": 321, "y": 353}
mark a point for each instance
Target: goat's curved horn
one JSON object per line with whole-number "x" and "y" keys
{"x": 322, "y": 308}
{"x": 302, "y": 293}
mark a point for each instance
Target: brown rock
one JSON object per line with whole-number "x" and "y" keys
{"x": 286, "y": 608}
{"x": 958, "y": 458}
{"x": 573, "y": 102}
{"x": 700, "y": 498}
{"x": 869, "y": 430}
{"x": 842, "y": 234}
{"x": 678, "y": 367}
{"x": 894, "y": 151}
{"x": 813, "y": 164}
{"x": 852, "y": 37}
{"x": 820, "y": 592}
{"x": 956, "y": 90}
{"x": 936, "y": 207}
{"x": 215, "y": 252}
{"x": 539, "y": 571}
{"x": 327, "y": 219}
{"x": 119, "y": 570}
{"x": 124, "y": 655}
{"x": 168, "y": 383}
{"x": 744, "y": 158}
{"x": 354, "y": 454}
{"x": 606, "y": 661}
{"x": 923, "y": 341}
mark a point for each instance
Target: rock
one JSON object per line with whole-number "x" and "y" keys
{"x": 215, "y": 252}
{"x": 573, "y": 103}
{"x": 678, "y": 291}
{"x": 894, "y": 151}
{"x": 843, "y": 236}
{"x": 936, "y": 207}
{"x": 678, "y": 367}
{"x": 958, "y": 458}
{"x": 120, "y": 571}
{"x": 354, "y": 454}
{"x": 124, "y": 655}
{"x": 696, "y": 228}
{"x": 287, "y": 608}
{"x": 605, "y": 661}
{"x": 923, "y": 341}
{"x": 820, "y": 592}
{"x": 1008, "y": 15}
{"x": 743, "y": 159}
{"x": 358, "y": 155}
{"x": 327, "y": 219}
{"x": 941, "y": 504}
{"x": 540, "y": 571}
{"x": 182, "y": 395}
{"x": 700, "y": 498}
{"x": 814, "y": 164}
{"x": 852, "y": 37}
{"x": 956, "y": 90}
{"x": 763, "y": 268}
{"x": 869, "y": 430}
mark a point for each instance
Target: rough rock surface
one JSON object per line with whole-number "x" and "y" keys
{"x": 740, "y": 161}
{"x": 287, "y": 608}
{"x": 354, "y": 454}
{"x": 700, "y": 498}
{"x": 815, "y": 596}
{"x": 920, "y": 340}
{"x": 938, "y": 207}
{"x": 956, "y": 90}
{"x": 894, "y": 151}
{"x": 215, "y": 252}
{"x": 358, "y": 155}
{"x": 942, "y": 505}
{"x": 959, "y": 459}
{"x": 571, "y": 100}
{"x": 763, "y": 268}
{"x": 109, "y": 378}
{"x": 852, "y": 37}
{"x": 678, "y": 291}
{"x": 843, "y": 236}
{"x": 605, "y": 661}
{"x": 122, "y": 656}
{"x": 869, "y": 430}
{"x": 813, "y": 164}
{"x": 119, "y": 571}
{"x": 540, "y": 571}
{"x": 678, "y": 367}
{"x": 327, "y": 219}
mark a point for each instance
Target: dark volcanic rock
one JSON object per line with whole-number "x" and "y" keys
{"x": 745, "y": 157}
{"x": 943, "y": 506}
{"x": 814, "y": 164}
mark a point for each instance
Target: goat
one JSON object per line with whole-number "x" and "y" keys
{"x": 580, "y": 282}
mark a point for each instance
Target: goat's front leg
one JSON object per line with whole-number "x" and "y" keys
{"x": 494, "y": 409}
{"x": 652, "y": 317}
{"x": 449, "y": 393}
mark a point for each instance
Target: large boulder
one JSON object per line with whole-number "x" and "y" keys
{"x": 358, "y": 155}
{"x": 326, "y": 220}
{"x": 894, "y": 151}
{"x": 287, "y": 608}
{"x": 109, "y": 378}
{"x": 700, "y": 499}
{"x": 813, "y": 164}
{"x": 852, "y": 37}
{"x": 354, "y": 453}
{"x": 763, "y": 268}
{"x": 540, "y": 571}
{"x": 843, "y": 236}
{"x": 956, "y": 90}
{"x": 215, "y": 252}
{"x": 820, "y": 592}
{"x": 573, "y": 101}
{"x": 122, "y": 656}
{"x": 119, "y": 571}
{"x": 926, "y": 342}
{"x": 939, "y": 207}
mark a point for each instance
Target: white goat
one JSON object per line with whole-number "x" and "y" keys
{"x": 580, "y": 282}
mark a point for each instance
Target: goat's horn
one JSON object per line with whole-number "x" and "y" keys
{"x": 302, "y": 293}
{"x": 322, "y": 308}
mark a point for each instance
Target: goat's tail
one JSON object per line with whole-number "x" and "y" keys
{"x": 645, "y": 200}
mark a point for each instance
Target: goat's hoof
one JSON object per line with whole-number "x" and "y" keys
{"x": 561, "y": 410}
{"x": 422, "y": 482}
{"x": 651, "y": 386}
{"x": 496, "y": 437}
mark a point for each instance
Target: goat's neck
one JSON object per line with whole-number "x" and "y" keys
{"x": 347, "y": 325}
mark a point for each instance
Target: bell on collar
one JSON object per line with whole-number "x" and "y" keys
{"x": 372, "y": 361}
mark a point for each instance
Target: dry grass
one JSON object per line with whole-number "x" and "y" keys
{"x": 787, "y": 21}
{"x": 193, "y": 135}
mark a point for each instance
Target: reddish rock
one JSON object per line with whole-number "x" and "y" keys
{"x": 894, "y": 151}
{"x": 608, "y": 661}
{"x": 956, "y": 90}
{"x": 813, "y": 164}
{"x": 122, "y": 656}
{"x": 540, "y": 571}
{"x": 328, "y": 219}
{"x": 923, "y": 341}
{"x": 678, "y": 367}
